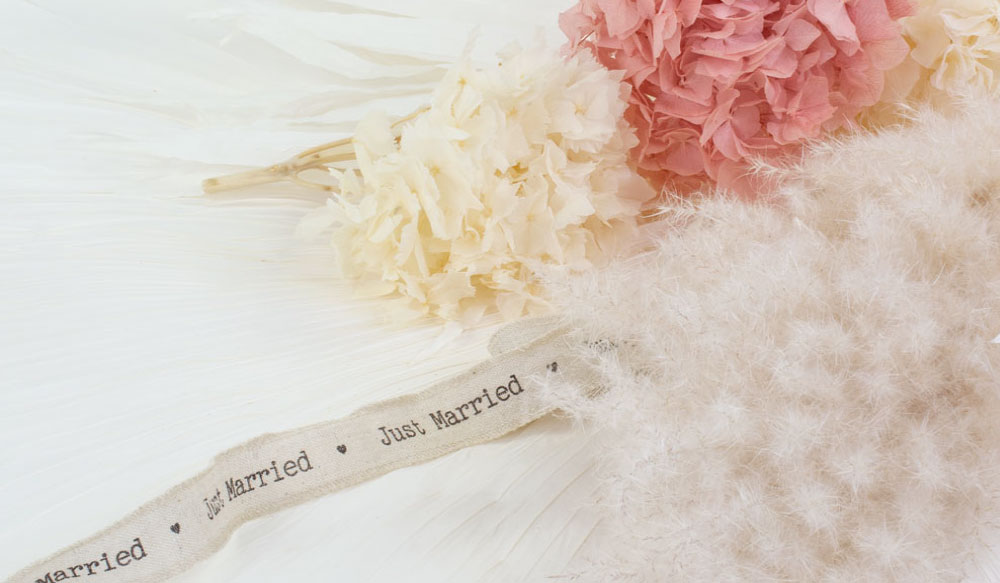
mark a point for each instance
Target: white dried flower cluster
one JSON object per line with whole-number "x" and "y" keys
{"x": 512, "y": 167}
{"x": 955, "y": 45}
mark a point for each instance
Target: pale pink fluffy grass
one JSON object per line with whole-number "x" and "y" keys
{"x": 806, "y": 391}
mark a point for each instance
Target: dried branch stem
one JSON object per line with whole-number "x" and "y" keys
{"x": 316, "y": 158}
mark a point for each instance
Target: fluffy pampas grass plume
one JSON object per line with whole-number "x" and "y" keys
{"x": 806, "y": 391}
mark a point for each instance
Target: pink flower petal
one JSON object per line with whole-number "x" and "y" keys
{"x": 575, "y": 24}
{"x": 872, "y": 21}
{"x": 780, "y": 63}
{"x": 727, "y": 143}
{"x": 687, "y": 10}
{"x": 746, "y": 121}
{"x": 861, "y": 87}
{"x": 621, "y": 18}
{"x": 801, "y": 34}
{"x": 833, "y": 15}
{"x": 886, "y": 54}
{"x": 684, "y": 158}
{"x": 900, "y": 8}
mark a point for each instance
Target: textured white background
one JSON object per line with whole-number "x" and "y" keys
{"x": 144, "y": 328}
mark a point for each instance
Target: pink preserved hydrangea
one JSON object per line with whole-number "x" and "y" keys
{"x": 716, "y": 82}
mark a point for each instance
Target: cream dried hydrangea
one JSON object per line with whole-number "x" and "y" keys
{"x": 955, "y": 46}
{"x": 510, "y": 168}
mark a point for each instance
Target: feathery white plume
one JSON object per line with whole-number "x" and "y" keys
{"x": 807, "y": 391}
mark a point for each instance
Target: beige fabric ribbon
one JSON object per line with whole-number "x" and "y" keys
{"x": 275, "y": 471}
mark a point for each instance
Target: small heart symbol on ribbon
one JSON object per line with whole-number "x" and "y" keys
{"x": 342, "y": 448}
{"x": 176, "y": 527}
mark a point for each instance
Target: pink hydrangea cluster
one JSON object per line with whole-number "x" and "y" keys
{"x": 715, "y": 82}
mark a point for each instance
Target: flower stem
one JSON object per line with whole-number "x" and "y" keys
{"x": 313, "y": 158}
{"x": 316, "y": 158}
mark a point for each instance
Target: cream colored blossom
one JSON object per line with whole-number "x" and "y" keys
{"x": 512, "y": 167}
{"x": 955, "y": 45}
